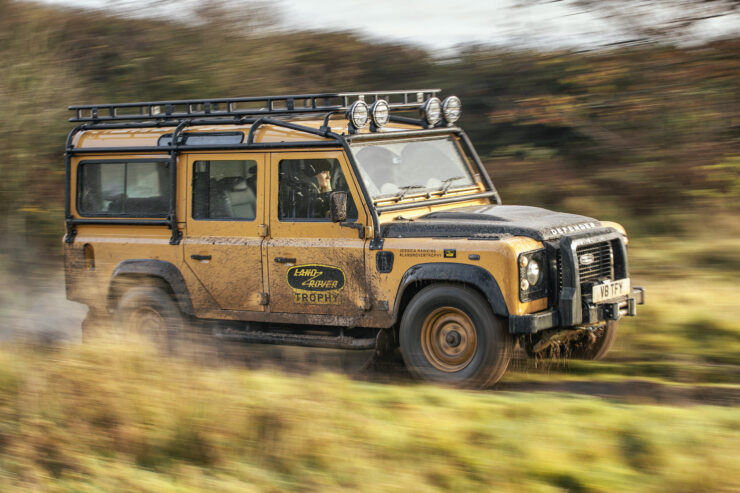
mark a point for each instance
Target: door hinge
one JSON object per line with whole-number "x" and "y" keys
{"x": 262, "y": 230}
{"x": 263, "y": 298}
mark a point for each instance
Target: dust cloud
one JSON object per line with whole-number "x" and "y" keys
{"x": 34, "y": 307}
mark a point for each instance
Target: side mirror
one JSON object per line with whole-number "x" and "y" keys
{"x": 338, "y": 206}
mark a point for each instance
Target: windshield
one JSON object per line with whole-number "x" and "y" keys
{"x": 405, "y": 167}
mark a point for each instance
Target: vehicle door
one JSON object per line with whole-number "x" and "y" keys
{"x": 225, "y": 219}
{"x": 315, "y": 266}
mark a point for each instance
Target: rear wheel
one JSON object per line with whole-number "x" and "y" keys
{"x": 150, "y": 313}
{"x": 449, "y": 334}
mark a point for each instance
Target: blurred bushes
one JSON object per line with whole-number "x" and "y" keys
{"x": 633, "y": 133}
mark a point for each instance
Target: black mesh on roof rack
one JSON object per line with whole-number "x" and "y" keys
{"x": 243, "y": 107}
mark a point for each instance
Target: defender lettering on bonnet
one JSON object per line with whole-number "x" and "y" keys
{"x": 572, "y": 229}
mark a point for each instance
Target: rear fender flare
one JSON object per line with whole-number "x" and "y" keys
{"x": 159, "y": 269}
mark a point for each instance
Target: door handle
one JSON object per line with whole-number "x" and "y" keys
{"x": 284, "y": 260}
{"x": 200, "y": 257}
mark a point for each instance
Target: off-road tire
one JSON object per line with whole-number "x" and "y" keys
{"x": 150, "y": 313}
{"x": 477, "y": 356}
{"x": 598, "y": 349}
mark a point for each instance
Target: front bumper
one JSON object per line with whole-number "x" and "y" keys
{"x": 612, "y": 310}
{"x": 571, "y": 303}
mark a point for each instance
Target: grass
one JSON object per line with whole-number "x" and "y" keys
{"x": 691, "y": 315}
{"x": 120, "y": 418}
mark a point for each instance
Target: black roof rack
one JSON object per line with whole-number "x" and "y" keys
{"x": 243, "y": 107}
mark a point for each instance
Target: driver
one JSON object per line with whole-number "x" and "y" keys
{"x": 318, "y": 181}
{"x": 323, "y": 180}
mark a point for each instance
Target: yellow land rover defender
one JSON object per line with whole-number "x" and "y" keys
{"x": 340, "y": 220}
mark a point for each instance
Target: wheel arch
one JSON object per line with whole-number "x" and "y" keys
{"x": 168, "y": 274}
{"x": 420, "y": 276}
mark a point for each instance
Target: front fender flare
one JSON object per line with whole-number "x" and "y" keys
{"x": 451, "y": 272}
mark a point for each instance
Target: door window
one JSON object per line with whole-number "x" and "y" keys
{"x": 305, "y": 186}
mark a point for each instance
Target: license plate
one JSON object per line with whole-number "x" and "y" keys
{"x": 610, "y": 290}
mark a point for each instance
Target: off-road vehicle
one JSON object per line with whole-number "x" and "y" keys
{"x": 340, "y": 220}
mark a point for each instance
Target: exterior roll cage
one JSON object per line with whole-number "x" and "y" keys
{"x": 194, "y": 113}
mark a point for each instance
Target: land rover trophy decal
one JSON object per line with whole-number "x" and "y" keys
{"x": 315, "y": 284}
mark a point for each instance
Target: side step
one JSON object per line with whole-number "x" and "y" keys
{"x": 295, "y": 339}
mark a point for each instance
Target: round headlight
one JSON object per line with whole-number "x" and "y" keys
{"x": 431, "y": 111}
{"x": 451, "y": 109}
{"x": 380, "y": 113}
{"x": 358, "y": 114}
{"x": 533, "y": 272}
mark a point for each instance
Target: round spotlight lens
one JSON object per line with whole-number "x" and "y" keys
{"x": 452, "y": 109}
{"x": 358, "y": 114}
{"x": 523, "y": 261}
{"x": 533, "y": 272}
{"x": 380, "y": 113}
{"x": 431, "y": 111}
{"x": 524, "y": 285}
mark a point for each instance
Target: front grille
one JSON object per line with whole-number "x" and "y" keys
{"x": 595, "y": 261}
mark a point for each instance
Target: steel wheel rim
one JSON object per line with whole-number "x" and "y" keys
{"x": 448, "y": 339}
{"x": 147, "y": 322}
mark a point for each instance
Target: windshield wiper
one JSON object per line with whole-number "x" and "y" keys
{"x": 405, "y": 190}
{"x": 449, "y": 181}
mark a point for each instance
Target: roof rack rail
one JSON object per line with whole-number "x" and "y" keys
{"x": 242, "y": 107}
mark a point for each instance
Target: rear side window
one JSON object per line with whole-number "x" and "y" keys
{"x": 225, "y": 189}
{"x": 124, "y": 188}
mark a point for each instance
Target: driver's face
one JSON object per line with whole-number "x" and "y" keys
{"x": 323, "y": 179}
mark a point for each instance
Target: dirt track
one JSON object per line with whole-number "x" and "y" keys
{"x": 361, "y": 365}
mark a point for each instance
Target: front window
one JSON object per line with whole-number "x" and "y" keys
{"x": 405, "y": 167}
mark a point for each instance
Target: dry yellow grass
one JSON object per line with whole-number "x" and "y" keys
{"x": 112, "y": 417}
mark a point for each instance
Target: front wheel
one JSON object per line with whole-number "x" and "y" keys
{"x": 585, "y": 344}
{"x": 449, "y": 334}
{"x": 598, "y": 345}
